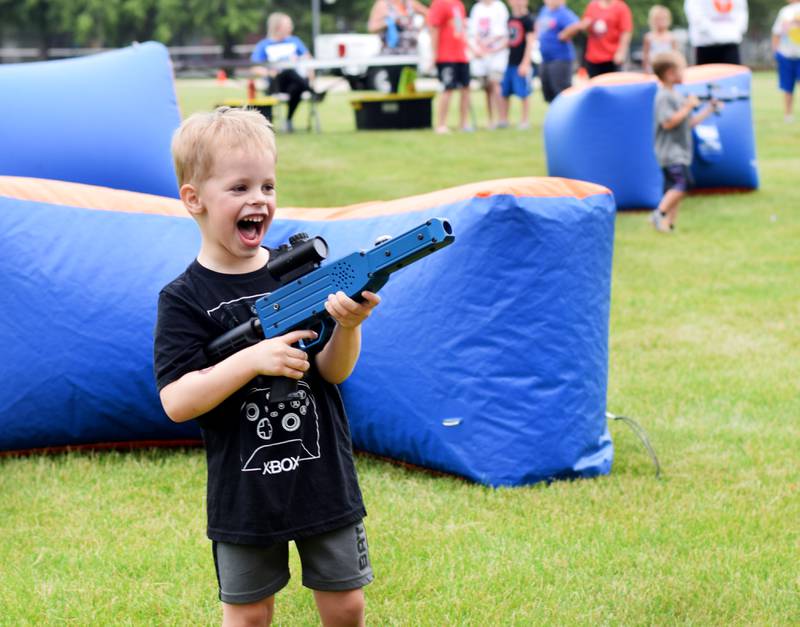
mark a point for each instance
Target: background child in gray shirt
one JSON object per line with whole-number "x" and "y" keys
{"x": 673, "y": 144}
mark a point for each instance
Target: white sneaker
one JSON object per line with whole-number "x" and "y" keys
{"x": 659, "y": 221}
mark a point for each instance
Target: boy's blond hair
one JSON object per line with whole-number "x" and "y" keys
{"x": 665, "y": 61}
{"x": 654, "y": 12}
{"x": 274, "y": 22}
{"x": 202, "y": 136}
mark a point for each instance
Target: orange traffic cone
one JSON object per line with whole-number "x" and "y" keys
{"x": 222, "y": 77}
{"x": 251, "y": 89}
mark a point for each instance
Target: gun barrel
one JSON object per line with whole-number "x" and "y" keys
{"x": 230, "y": 342}
{"x": 301, "y": 303}
{"x": 417, "y": 243}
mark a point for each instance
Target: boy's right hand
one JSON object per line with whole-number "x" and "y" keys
{"x": 692, "y": 101}
{"x": 277, "y": 357}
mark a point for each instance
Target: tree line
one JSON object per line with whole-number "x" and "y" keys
{"x": 113, "y": 23}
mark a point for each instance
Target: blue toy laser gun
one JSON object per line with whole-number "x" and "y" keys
{"x": 300, "y": 302}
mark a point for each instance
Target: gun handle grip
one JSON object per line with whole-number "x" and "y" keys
{"x": 283, "y": 390}
{"x": 324, "y": 330}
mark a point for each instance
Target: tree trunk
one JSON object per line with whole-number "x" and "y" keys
{"x": 43, "y": 26}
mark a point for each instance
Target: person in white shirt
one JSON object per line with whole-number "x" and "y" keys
{"x": 786, "y": 46}
{"x": 488, "y": 35}
{"x": 716, "y": 28}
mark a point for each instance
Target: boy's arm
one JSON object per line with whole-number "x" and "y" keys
{"x": 681, "y": 114}
{"x": 625, "y": 37}
{"x": 377, "y": 18}
{"x": 622, "y": 51}
{"x": 646, "y": 52}
{"x": 434, "y": 31}
{"x": 711, "y": 107}
{"x": 525, "y": 65}
{"x": 199, "y": 391}
{"x": 336, "y": 361}
{"x": 573, "y": 29}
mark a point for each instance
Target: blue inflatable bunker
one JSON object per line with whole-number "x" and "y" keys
{"x": 487, "y": 359}
{"x": 603, "y": 132}
{"x": 105, "y": 119}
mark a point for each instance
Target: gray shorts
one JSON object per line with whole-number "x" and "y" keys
{"x": 556, "y": 76}
{"x": 332, "y": 561}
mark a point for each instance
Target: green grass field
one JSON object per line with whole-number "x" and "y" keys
{"x": 704, "y": 353}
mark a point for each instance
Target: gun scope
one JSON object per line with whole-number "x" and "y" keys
{"x": 298, "y": 257}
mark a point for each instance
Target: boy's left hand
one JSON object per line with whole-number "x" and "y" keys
{"x": 349, "y": 313}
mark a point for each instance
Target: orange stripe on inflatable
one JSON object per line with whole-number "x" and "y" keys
{"x": 712, "y": 72}
{"x": 612, "y": 78}
{"x": 693, "y": 74}
{"x": 88, "y": 196}
{"x": 538, "y": 187}
{"x": 93, "y": 197}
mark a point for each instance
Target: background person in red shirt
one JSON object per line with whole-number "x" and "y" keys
{"x": 447, "y": 20}
{"x": 609, "y": 26}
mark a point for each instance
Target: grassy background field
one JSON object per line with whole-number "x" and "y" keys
{"x": 704, "y": 353}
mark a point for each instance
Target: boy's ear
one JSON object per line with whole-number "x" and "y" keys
{"x": 191, "y": 199}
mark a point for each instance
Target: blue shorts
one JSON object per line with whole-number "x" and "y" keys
{"x": 788, "y": 72}
{"x": 515, "y": 84}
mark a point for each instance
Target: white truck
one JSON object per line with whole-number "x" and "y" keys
{"x": 358, "y": 58}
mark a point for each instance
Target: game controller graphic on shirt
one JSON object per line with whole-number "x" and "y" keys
{"x": 287, "y": 433}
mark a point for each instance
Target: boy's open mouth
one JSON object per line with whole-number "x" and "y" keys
{"x": 251, "y": 229}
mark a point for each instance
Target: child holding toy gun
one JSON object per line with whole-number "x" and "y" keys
{"x": 276, "y": 471}
{"x": 675, "y": 117}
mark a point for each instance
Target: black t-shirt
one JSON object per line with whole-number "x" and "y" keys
{"x": 274, "y": 473}
{"x": 518, "y": 29}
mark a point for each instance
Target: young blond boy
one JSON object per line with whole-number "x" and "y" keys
{"x": 257, "y": 501}
{"x": 674, "y": 119}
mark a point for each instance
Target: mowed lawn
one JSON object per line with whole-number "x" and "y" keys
{"x": 704, "y": 353}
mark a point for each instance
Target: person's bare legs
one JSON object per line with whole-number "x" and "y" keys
{"x": 464, "y": 109}
{"x": 441, "y": 113}
{"x": 258, "y": 614}
{"x": 788, "y": 105}
{"x": 497, "y": 97}
{"x": 669, "y": 205}
{"x": 524, "y": 117}
{"x": 341, "y": 609}
{"x": 490, "y": 104}
{"x": 505, "y": 106}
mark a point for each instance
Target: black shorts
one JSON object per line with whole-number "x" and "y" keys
{"x": 453, "y": 75}
{"x": 596, "y": 69}
{"x": 723, "y": 53}
{"x": 677, "y": 177}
